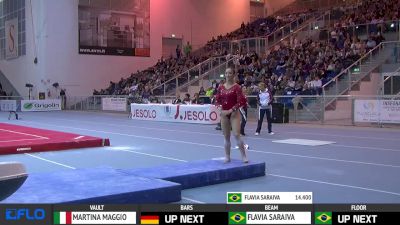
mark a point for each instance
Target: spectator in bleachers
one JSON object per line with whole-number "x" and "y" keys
{"x": 202, "y": 92}
{"x": 306, "y": 90}
{"x": 177, "y": 100}
{"x": 210, "y": 92}
{"x": 186, "y": 99}
{"x": 133, "y": 87}
{"x": 298, "y": 87}
{"x": 178, "y": 52}
{"x": 214, "y": 84}
{"x": 147, "y": 94}
{"x": 291, "y": 84}
{"x": 187, "y": 49}
{"x": 316, "y": 85}
{"x": 196, "y": 99}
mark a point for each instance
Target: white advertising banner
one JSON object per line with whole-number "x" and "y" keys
{"x": 11, "y": 30}
{"x": 384, "y": 111}
{"x": 203, "y": 114}
{"x": 114, "y": 104}
{"x": 40, "y": 105}
{"x": 8, "y": 105}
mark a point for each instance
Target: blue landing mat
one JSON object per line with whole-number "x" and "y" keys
{"x": 96, "y": 185}
{"x": 202, "y": 173}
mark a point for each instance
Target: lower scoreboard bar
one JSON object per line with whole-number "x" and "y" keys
{"x": 220, "y": 214}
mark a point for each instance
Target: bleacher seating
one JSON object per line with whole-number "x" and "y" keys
{"x": 290, "y": 68}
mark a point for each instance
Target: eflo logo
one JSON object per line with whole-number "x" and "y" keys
{"x": 25, "y": 214}
{"x": 28, "y": 105}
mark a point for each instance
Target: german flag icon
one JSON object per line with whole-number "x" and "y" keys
{"x": 150, "y": 219}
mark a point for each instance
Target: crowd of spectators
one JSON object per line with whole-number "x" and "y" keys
{"x": 292, "y": 67}
{"x": 302, "y": 67}
{"x": 371, "y": 12}
{"x": 259, "y": 28}
{"x": 135, "y": 85}
{"x": 140, "y": 84}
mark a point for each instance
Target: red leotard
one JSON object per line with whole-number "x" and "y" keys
{"x": 232, "y": 98}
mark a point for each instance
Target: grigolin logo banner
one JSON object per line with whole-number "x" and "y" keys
{"x": 28, "y": 105}
{"x": 40, "y": 105}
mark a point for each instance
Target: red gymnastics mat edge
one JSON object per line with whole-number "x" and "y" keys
{"x": 45, "y": 147}
{"x": 21, "y": 139}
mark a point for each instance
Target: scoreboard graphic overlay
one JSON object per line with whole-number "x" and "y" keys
{"x": 240, "y": 208}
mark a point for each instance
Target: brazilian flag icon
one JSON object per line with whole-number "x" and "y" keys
{"x": 323, "y": 217}
{"x": 237, "y": 217}
{"x": 235, "y": 197}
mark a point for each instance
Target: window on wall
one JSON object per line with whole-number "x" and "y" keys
{"x": 12, "y": 9}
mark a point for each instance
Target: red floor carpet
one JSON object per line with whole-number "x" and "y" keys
{"x": 20, "y": 139}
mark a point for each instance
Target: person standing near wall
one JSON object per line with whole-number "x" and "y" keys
{"x": 264, "y": 100}
{"x": 214, "y": 101}
{"x": 178, "y": 52}
{"x": 243, "y": 113}
{"x": 187, "y": 49}
{"x": 63, "y": 99}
